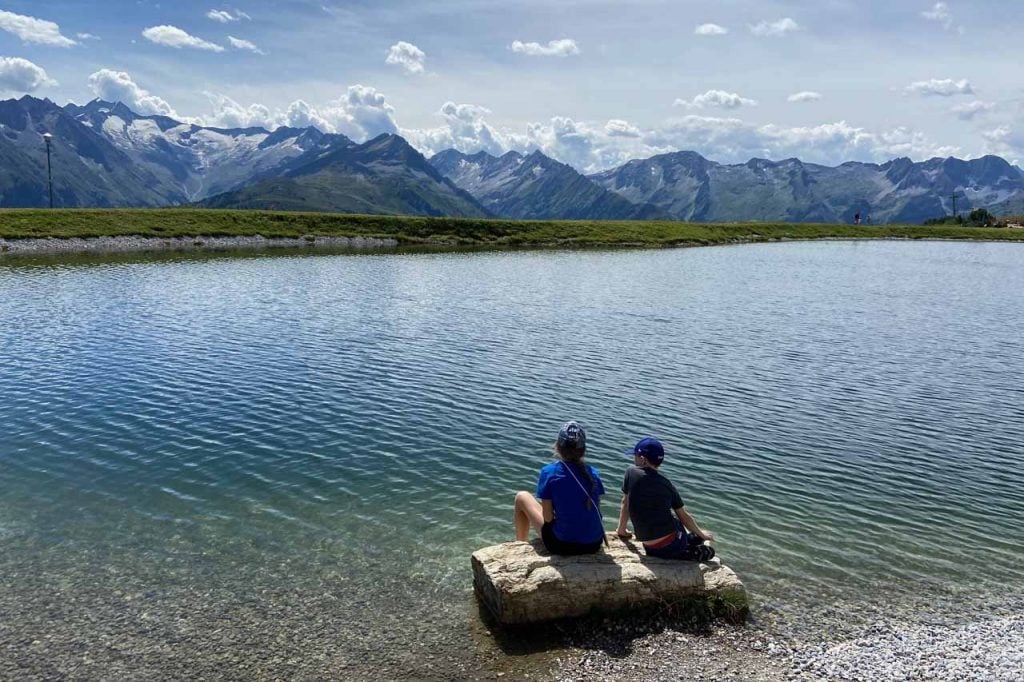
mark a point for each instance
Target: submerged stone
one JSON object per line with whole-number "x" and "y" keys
{"x": 521, "y": 582}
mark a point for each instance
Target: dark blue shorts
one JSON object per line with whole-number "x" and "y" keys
{"x": 556, "y": 546}
{"x": 686, "y": 546}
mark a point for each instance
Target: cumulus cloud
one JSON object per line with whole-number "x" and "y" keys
{"x": 87, "y": 36}
{"x": 554, "y": 48}
{"x": 775, "y": 28}
{"x": 732, "y": 140}
{"x": 240, "y": 44}
{"x": 619, "y": 128}
{"x": 716, "y": 98}
{"x": 969, "y": 111}
{"x": 301, "y": 114}
{"x": 945, "y": 87}
{"x": 710, "y": 30}
{"x": 22, "y": 76}
{"x": 1006, "y": 142}
{"x": 591, "y": 147}
{"x": 32, "y": 30}
{"x": 805, "y": 96}
{"x": 227, "y": 113}
{"x": 464, "y": 129}
{"x": 172, "y": 36}
{"x": 361, "y": 113}
{"x": 939, "y": 13}
{"x": 223, "y": 16}
{"x": 118, "y": 86}
{"x": 406, "y": 55}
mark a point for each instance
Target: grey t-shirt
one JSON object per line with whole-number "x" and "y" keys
{"x": 652, "y": 500}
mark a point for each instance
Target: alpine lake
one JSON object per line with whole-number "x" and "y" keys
{"x": 278, "y": 465}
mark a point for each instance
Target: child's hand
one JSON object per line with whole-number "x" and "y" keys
{"x": 708, "y": 535}
{"x": 624, "y": 534}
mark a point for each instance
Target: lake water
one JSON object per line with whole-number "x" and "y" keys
{"x": 285, "y": 461}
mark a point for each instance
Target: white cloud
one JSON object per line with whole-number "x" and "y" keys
{"x": 300, "y": 114}
{"x": 805, "y": 96}
{"x": 969, "y": 111}
{"x": 118, "y": 86}
{"x": 87, "y": 36}
{"x": 361, "y": 113}
{"x": 945, "y": 87}
{"x": 32, "y": 30}
{"x": 406, "y": 55}
{"x": 22, "y": 76}
{"x": 1006, "y": 142}
{"x": 775, "y": 28}
{"x": 710, "y": 30}
{"x": 554, "y": 48}
{"x": 619, "y": 128}
{"x": 592, "y": 147}
{"x": 240, "y": 44}
{"x": 731, "y": 140}
{"x": 939, "y": 13}
{"x": 716, "y": 98}
{"x": 226, "y": 16}
{"x": 172, "y": 36}
{"x": 464, "y": 129}
{"x": 227, "y": 113}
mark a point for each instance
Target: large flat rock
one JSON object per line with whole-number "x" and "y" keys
{"x": 520, "y": 582}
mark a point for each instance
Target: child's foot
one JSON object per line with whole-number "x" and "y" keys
{"x": 703, "y": 553}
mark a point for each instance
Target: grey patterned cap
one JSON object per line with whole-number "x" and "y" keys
{"x": 572, "y": 435}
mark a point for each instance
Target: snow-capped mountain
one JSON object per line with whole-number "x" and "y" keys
{"x": 691, "y": 187}
{"x": 536, "y": 187}
{"x": 201, "y": 161}
{"x": 88, "y": 170}
{"x": 382, "y": 176}
{"x": 104, "y": 154}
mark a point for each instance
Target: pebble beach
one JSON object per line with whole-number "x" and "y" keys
{"x": 989, "y": 650}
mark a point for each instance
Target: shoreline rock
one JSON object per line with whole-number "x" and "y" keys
{"x": 522, "y": 583}
{"x": 129, "y": 243}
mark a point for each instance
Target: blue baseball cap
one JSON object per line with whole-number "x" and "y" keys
{"x": 650, "y": 449}
{"x": 572, "y": 435}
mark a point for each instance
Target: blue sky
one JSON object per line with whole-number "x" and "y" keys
{"x": 592, "y": 83}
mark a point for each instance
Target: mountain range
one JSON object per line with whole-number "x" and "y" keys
{"x": 106, "y": 155}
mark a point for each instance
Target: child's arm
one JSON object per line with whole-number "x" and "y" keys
{"x": 692, "y": 526}
{"x": 623, "y": 517}
{"x": 547, "y": 510}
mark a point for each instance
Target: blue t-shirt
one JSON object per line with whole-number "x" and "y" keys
{"x": 574, "y": 521}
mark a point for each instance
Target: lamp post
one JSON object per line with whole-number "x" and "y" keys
{"x": 49, "y": 171}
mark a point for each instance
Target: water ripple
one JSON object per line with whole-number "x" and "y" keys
{"x": 840, "y": 414}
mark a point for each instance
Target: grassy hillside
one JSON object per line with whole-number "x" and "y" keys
{"x": 26, "y": 223}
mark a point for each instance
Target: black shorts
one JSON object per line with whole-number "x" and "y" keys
{"x": 556, "y": 546}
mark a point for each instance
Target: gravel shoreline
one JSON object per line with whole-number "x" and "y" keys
{"x": 127, "y": 244}
{"x": 991, "y": 650}
{"x": 138, "y": 244}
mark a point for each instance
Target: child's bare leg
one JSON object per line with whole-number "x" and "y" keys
{"x": 528, "y": 512}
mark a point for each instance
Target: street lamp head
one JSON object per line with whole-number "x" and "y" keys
{"x": 47, "y": 136}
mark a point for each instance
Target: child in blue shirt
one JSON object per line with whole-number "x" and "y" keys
{"x": 568, "y": 515}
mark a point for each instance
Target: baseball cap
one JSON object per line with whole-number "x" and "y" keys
{"x": 572, "y": 435}
{"x": 650, "y": 448}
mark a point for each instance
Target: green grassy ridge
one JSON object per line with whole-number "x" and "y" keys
{"x": 412, "y": 230}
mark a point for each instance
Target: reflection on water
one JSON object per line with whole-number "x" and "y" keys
{"x": 325, "y": 439}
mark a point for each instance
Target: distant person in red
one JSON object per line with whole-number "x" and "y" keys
{"x": 856, "y": 218}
